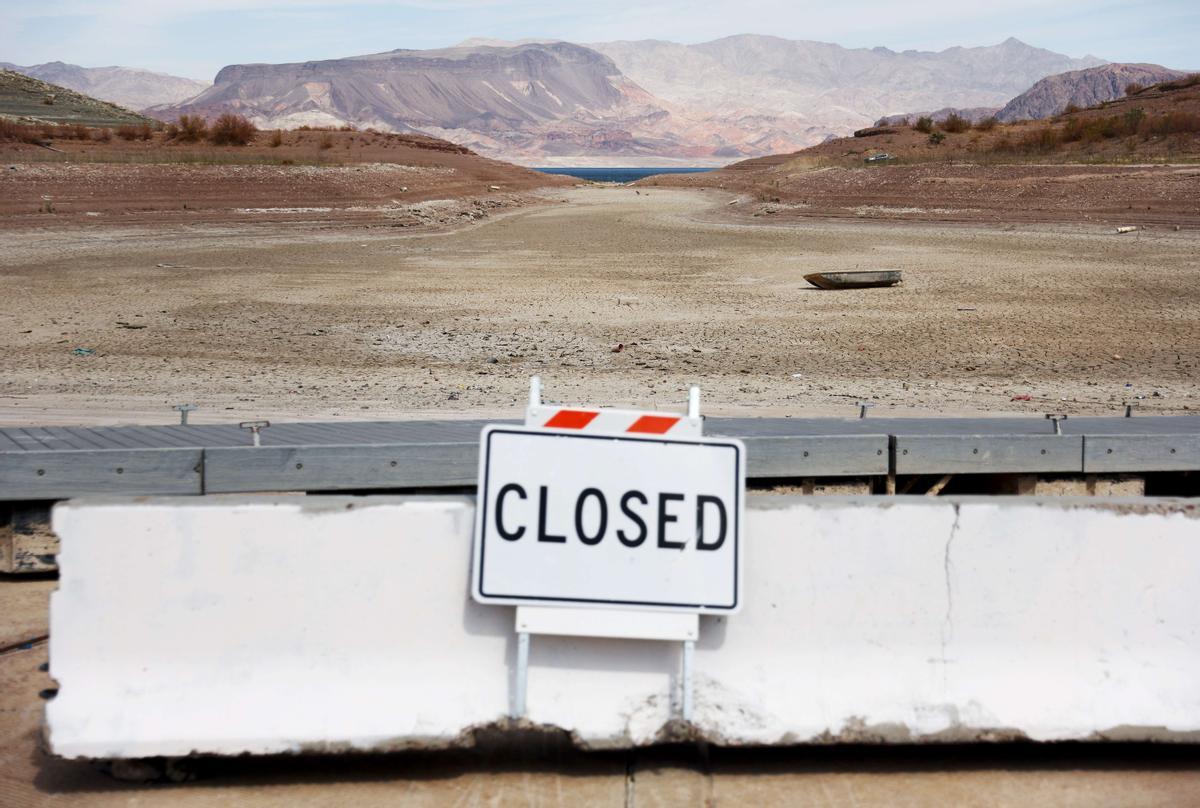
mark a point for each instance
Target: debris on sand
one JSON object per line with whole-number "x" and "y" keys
{"x": 1127, "y": 229}
{"x": 83, "y": 351}
{"x": 854, "y": 279}
{"x": 620, "y": 346}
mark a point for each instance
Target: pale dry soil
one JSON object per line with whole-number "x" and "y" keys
{"x": 299, "y": 320}
{"x": 543, "y": 773}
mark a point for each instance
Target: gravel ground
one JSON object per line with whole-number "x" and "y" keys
{"x": 619, "y": 297}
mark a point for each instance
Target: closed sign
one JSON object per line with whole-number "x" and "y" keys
{"x": 596, "y": 520}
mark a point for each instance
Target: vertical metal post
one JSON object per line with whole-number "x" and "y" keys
{"x": 685, "y": 674}
{"x": 522, "y": 674}
{"x": 694, "y": 401}
{"x": 255, "y": 428}
{"x": 183, "y": 410}
{"x": 535, "y": 391}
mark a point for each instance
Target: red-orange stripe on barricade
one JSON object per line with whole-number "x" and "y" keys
{"x": 570, "y": 419}
{"x": 653, "y": 424}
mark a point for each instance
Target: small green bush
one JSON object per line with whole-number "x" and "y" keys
{"x": 924, "y": 124}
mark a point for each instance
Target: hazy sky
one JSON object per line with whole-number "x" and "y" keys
{"x": 197, "y": 37}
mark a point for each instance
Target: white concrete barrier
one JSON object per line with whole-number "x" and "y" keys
{"x": 257, "y": 625}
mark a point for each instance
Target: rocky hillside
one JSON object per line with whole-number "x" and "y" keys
{"x": 807, "y": 90}
{"x": 531, "y": 101}
{"x": 1082, "y": 88}
{"x": 127, "y": 86}
{"x": 31, "y": 100}
{"x": 632, "y": 103}
{"x": 972, "y": 114}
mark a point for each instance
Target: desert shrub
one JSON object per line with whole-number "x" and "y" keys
{"x": 276, "y": 138}
{"x": 924, "y": 124}
{"x": 955, "y": 123}
{"x": 346, "y": 128}
{"x": 1133, "y": 88}
{"x": 1190, "y": 80}
{"x": 231, "y": 130}
{"x": 191, "y": 128}
{"x": 127, "y": 131}
{"x": 987, "y": 124}
{"x": 143, "y": 131}
{"x": 102, "y": 135}
{"x": 1133, "y": 120}
{"x": 1045, "y": 139}
{"x": 936, "y": 138}
{"x": 326, "y": 142}
{"x": 171, "y": 131}
{"x": 1071, "y": 108}
{"x": 18, "y": 133}
{"x": 1170, "y": 123}
{"x": 1074, "y": 130}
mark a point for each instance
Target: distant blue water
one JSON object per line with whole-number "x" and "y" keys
{"x": 618, "y": 174}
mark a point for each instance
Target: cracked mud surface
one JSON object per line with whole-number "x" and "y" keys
{"x": 285, "y": 319}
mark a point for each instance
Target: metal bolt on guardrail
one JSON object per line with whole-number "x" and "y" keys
{"x": 1129, "y": 405}
{"x": 255, "y": 428}
{"x": 1057, "y": 418}
{"x": 863, "y": 406}
{"x": 183, "y": 410}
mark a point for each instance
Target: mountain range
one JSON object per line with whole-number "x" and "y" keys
{"x": 635, "y": 103}
{"x": 646, "y": 102}
{"x": 1081, "y": 88}
{"x": 127, "y": 86}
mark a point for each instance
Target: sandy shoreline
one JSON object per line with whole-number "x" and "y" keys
{"x": 288, "y": 321}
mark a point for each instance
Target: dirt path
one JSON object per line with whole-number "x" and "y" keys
{"x": 291, "y": 320}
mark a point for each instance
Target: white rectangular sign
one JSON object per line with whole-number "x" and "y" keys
{"x": 603, "y": 521}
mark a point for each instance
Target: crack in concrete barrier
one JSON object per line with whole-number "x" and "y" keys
{"x": 948, "y": 621}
